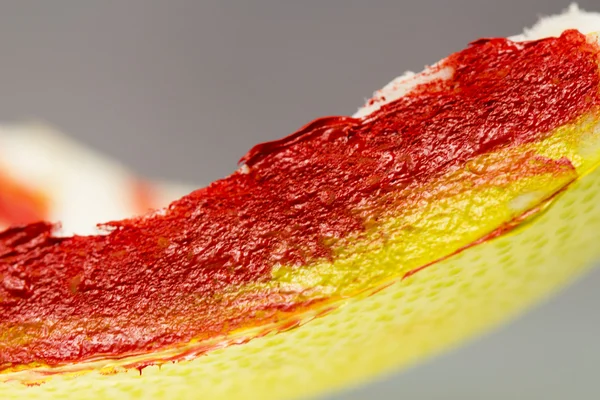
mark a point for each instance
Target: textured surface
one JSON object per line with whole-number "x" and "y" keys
{"x": 108, "y": 87}
{"x": 408, "y": 320}
{"x": 446, "y": 165}
{"x": 434, "y": 309}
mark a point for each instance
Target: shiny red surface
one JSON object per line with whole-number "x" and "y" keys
{"x": 168, "y": 278}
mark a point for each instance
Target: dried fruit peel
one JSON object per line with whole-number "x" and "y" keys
{"x": 433, "y": 310}
{"x": 449, "y": 301}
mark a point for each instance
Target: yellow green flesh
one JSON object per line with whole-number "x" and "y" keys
{"x": 429, "y": 311}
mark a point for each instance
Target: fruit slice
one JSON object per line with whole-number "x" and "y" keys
{"x": 44, "y": 175}
{"x": 453, "y": 206}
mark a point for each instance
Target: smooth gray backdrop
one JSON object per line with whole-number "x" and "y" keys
{"x": 181, "y": 89}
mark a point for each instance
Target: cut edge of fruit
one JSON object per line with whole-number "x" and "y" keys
{"x": 39, "y": 372}
{"x": 489, "y": 283}
{"x": 531, "y": 240}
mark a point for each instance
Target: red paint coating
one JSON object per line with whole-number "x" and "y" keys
{"x": 165, "y": 279}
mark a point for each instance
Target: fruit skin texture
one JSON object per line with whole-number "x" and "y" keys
{"x": 431, "y": 311}
{"x": 20, "y": 204}
{"x": 412, "y": 317}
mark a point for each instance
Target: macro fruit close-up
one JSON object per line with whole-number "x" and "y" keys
{"x": 454, "y": 200}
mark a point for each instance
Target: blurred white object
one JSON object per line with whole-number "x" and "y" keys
{"x": 572, "y": 18}
{"x": 44, "y": 175}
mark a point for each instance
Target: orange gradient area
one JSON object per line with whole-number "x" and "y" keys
{"x": 20, "y": 204}
{"x": 145, "y": 196}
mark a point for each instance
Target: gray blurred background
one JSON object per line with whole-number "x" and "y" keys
{"x": 181, "y": 89}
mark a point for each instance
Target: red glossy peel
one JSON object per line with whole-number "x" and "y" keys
{"x": 191, "y": 272}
